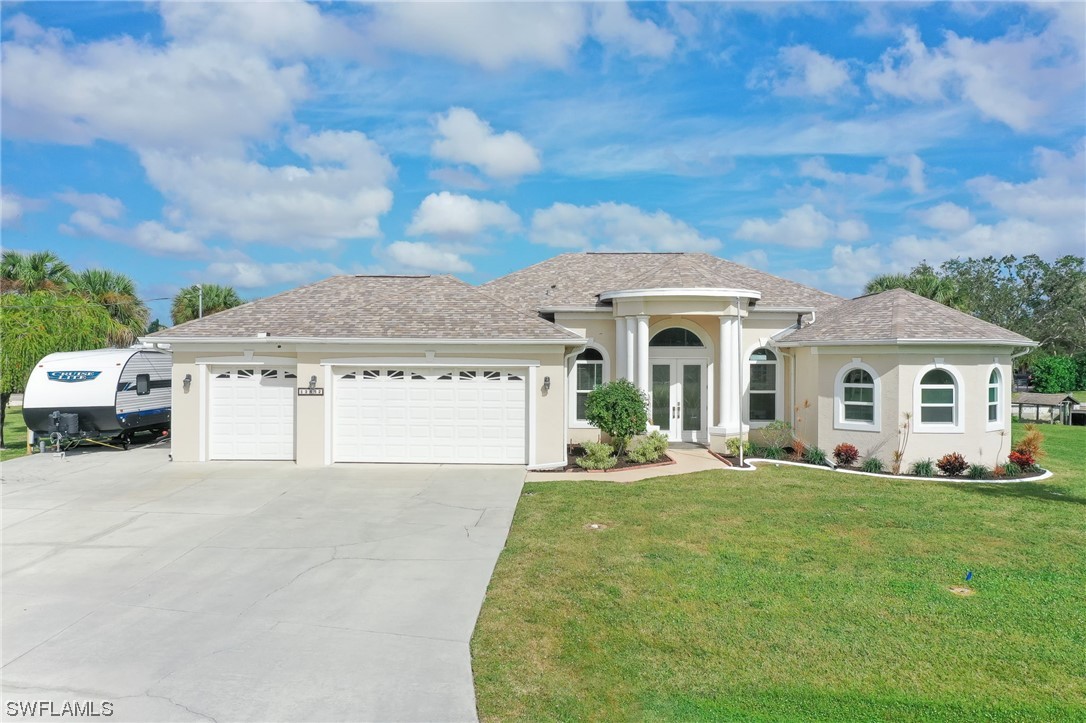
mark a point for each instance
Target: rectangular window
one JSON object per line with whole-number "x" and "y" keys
{"x": 993, "y": 404}
{"x": 143, "y": 384}
{"x": 937, "y": 415}
{"x": 589, "y": 376}
{"x": 763, "y": 407}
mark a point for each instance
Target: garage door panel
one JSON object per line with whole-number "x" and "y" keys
{"x": 251, "y": 414}
{"x": 428, "y": 415}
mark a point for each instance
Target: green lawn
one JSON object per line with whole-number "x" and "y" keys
{"x": 791, "y": 594}
{"x": 14, "y": 434}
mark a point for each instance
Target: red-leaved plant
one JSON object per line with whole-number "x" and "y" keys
{"x": 846, "y": 454}
{"x": 952, "y": 464}
{"x": 1024, "y": 460}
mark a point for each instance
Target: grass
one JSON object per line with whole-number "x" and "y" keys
{"x": 791, "y": 594}
{"x": 14, "y": 434}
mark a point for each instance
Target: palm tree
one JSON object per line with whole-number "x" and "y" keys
{"x": 186, "y": 304}
{"x": 38, "y": 271}
{"x": 117, "y": 293}
{"x": 922, "y": 283}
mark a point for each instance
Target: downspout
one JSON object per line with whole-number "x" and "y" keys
{"x": 739, "y": 369}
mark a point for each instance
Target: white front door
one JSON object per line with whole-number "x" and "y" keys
{"x": 251, "y": 413}
{"x": 405, "y": 414}
{"x": 679, "y": 399}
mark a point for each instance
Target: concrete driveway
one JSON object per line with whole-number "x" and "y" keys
{"x": 246, "y": 591}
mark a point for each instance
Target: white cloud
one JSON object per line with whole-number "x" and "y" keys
{"x": 755, "y": 258}
{"x": 452, "y": 214}
{"x": 947, "y": 217}
{"x": 1055, "y": 196}
{"x": 423, "y": 256}
{"x": 11, "y": 208}
{"x": 342, "y": 195}
{"x": 183, "y": 95}
{"x": 801, "y": 227}
{"x": 875, "y": 181}
{"x": 615, "y": 227}
{"x": 492, "y": 35}
{"x": 458, "y": 178}
{"x": 1018, "y": 79}
{"x": 149, "y": 236}
{"x": 465, "y": 138}
{"x": 249, "y": 274}
{"x": 614, "y": 25}
{"x": 914, "y": 171}
{"x": 97, "y": 203}
{"x": 801, "y": 71}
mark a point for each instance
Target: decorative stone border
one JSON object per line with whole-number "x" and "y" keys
{"x": 668, "y": 460}
{"x": 907, "y": 477}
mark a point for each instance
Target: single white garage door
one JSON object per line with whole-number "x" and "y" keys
{"x": 429, "y": 415}
{"x": 252, "y": 413}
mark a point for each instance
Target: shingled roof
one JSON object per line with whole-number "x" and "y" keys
{"x": 576, "y": 280}
{"x": 375, "y": 307}
{"x": 898, "y": 316}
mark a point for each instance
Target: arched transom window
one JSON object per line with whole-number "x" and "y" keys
{"x": 676, "y": 336}
{"x": 763, "y": 386}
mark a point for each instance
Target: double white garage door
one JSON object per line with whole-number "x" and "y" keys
{"x": 405, "y": 414}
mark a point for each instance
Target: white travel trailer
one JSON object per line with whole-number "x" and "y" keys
{"x": 99, "y": 393}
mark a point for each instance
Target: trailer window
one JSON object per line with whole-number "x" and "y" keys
{"x": 143, "y": 384}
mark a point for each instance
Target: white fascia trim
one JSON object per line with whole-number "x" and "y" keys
{"x": 249, "y": 340}
{"x": 908, "y": 342}
{"x": 253, "y": 360}
{"x": 426, "y": 362}
{"x": 783, "y": 309}
{"x": 594, "y": 310}
{"x": 673, "y": 292}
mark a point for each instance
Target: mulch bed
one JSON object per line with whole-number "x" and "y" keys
{"x": 734, "y": 462}
{"x": 623, "y": 464}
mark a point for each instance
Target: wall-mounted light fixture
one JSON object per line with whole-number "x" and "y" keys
{"x": 546, "y": 384}
{"x": 313, "y": 382}
{"x": 187, "y": 381}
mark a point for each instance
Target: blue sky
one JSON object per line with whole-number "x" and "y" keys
{"x": 269, "y": 145}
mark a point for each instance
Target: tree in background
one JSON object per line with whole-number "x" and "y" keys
{"x": 117, "y": 293}
{"x": 38, "y": 323}
{"x": 186, "y": 303}
{"x": 924, "y": 281}
{"x": 38, "y": 271}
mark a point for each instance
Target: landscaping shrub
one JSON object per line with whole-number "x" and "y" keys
{"x": 952, "y": 464}
{"x": 1030, "y": 444}
{"x": 1012, "y": 469}
{"x": 872, "y": 464}
{"x": 799, "y": 449}
{"x": 923, "y": 468}
{"x": 733, "y": 444}
{"x": 773, "y": 452}
{"x": 647, "y": 449}
{"x": 618, "y": 409}
{"x": 999, "y": 471}
{"x": 814, "y": 455}
{"x": 777, "y": 434}
{"x": 1054, "y": 374}
{"x": 597, "y": 455}
{"x": 979, "y": 471}
{"x": 1021, "y": 459}
{"x": 846, "y": 454}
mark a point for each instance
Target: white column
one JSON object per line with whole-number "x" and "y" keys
{"x": 631, "y": 352}
{"x": 620, "y": 349}
{"x": 643, "y": 354}
{"x": 727, "y": 363}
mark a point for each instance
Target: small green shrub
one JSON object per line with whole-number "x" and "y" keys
{"x": 846, "y": 454}
{"x": 647, "y": 449}
{"x": 777, "y": 434}
{"x": 597, "y": 455}
{"x": 814, "y": 455}
{"x": 1011, "y": 469}
{"x": 952, "y": 464}
{"x": 733, "y": 444}
{"x": 872, "y": 464}
{"x": 619, "y": 409}
{"x": 923, "y": 468}
{"x": 773, "y": 452}
{"x": 978, "y": 471}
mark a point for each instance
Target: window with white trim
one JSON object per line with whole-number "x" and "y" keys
{"x": 762, "y": 400}
{"x": 938, "y": 398}
{"x": 857, "y": 398}
{"x": 995, "y": 382}
{"x": 587, "y": 375}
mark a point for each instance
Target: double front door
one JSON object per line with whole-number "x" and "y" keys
{"x": 678, "y": 399}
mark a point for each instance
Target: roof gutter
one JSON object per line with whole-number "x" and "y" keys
{"x": 350, "y": 340}
{"x": 908, "y": 342}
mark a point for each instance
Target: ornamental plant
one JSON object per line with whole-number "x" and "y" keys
{"x": 872, "y": 464}
{"x": 597, "y": 455}
{"x": 923, "y": 468}
{"x": 1029, "y": 446}
{"x": 618, "y": 409}
{"x": 814, "y": 455}
{"x": 952, "y": 464}
{"x": 846, "y": 454}
{"x": 1021, "y": 459}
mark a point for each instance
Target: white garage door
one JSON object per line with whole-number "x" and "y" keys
{"x": 252, "y": 413}
{"x": 429, "y": 415}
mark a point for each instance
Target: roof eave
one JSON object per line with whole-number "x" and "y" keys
{"x": 907, "y": 342}
{"x": 347, "y": 340}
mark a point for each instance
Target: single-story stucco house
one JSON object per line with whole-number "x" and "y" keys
{"x": 432, "y": 369}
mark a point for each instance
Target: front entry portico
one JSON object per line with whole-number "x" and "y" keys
{"x": 679, "y": 399}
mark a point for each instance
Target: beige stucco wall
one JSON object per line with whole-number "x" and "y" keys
{"x": 899, "y": 369}
{"x": 311, "y": 416}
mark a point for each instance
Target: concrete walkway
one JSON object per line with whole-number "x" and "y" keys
{"x": 247, "y": 591}
{"x": 696, "y": 459}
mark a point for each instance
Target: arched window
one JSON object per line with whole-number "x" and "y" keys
{"x": 857, "y": 398}
{"x": 995, "y": 385}
{"x": 938, "y": 398}
{"x": 587, "y": 375}
{"x": 763, "y": 386}
{"x": 676, "y": 336}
